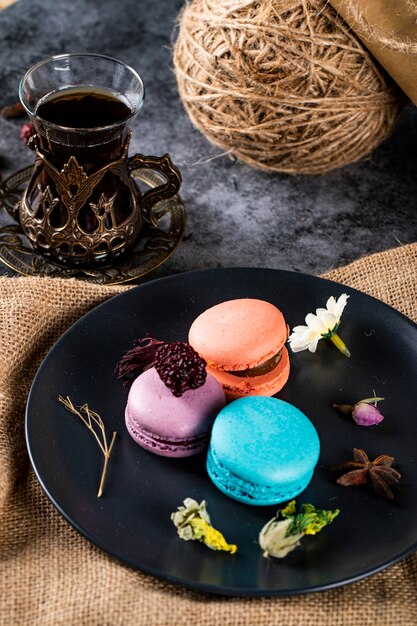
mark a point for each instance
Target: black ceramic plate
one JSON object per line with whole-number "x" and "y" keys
{"x": 132, "y": 519}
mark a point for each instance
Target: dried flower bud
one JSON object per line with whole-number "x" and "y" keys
{"x": 364, "y": 412}
{"x": 26, "y": 132}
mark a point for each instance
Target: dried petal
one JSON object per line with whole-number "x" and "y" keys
{"x": 138, "y": 359}
{"x": 188, "y": 511}
{"x": 13, "y": 110}
{"x": 211, "y": 537}
{"x": 311, "y": 520}
{"x": 365, "y": 414}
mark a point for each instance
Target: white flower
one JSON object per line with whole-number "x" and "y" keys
{"x": 323, "y": 324}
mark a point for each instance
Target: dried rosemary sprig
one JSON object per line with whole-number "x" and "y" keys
{"x": 92, "y": 419}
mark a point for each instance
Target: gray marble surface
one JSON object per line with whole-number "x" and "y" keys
{"x": 237, "y": 216}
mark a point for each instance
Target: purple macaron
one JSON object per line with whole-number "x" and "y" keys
{"x": 168, "y": 425}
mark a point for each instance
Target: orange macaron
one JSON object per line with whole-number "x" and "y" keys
{"x": 242, "y": 342}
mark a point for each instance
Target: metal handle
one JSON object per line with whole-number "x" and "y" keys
{"x": 164, "y": 166}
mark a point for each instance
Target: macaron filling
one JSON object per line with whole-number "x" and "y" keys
{"x": 250, "y": 492}
{"x": 259, "y": 370}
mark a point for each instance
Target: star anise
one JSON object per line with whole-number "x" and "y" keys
{"x": 378, "y": 473}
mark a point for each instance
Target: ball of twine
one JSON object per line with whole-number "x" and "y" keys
{"x": 282, "y": 85}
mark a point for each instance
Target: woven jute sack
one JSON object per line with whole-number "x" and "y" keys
{"x": 50, "y": 575}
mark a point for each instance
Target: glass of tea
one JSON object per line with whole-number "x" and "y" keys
{"x": 82, "y": 205}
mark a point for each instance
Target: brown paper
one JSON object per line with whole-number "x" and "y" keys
{"x": 388, "y": 28}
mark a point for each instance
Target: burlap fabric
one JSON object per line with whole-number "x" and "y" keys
{"x": 50, "y": 575}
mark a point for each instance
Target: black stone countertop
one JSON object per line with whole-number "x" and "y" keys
{"x": 236, "y": 216}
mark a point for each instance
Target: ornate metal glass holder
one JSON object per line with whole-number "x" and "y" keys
{"x": 160, "y": 236}
{"x": 82, "y": 207}
{"x": 69, "y": 219}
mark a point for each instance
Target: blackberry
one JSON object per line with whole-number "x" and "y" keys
{"x": 180, "y": 367}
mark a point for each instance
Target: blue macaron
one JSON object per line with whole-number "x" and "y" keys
{"x": 262, "y": 451}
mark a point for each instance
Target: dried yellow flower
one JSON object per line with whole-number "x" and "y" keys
{"x": 193, "y": 523}
{"x": 283, "y": 533}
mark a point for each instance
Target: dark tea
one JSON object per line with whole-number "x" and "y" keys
{"x": 83, "y": 108}
{"x": 95, "y": 121}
